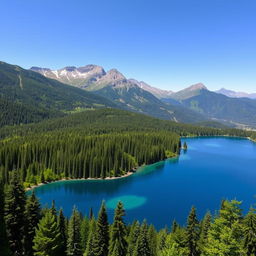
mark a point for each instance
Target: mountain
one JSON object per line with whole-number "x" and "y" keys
{"x": 159, "y": 93}
{"x": 234, "y": 94}
{"x": 240, "y": 112}
{"x": 189, "y": 92}
{"x": 32, "y": 97}
{"x": 79, "y": 77}
{"x": 195, "y": 104}
{"x": 127, "y": 94}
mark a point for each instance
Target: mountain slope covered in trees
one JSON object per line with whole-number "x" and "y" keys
{"x": 38, "y": 97}
{"x": 239, "y": 112}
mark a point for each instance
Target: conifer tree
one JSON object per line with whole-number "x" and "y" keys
{"x": 42, "y": 178}
{"x": 101, "y": 238}
{"x": 53, "y": 209}
{"x": 91, "y": 214}
{"x": 132, "y": 238}
{"x": 32, "y": 220}
{"x": 174, "y": 226}
{"x": 143, "y": 244}
{"x": 192, "y": 233}
{"x": 74, "y": 236}
{"x": 90, "y": 242}
{"x": 61, "y": 221}
{"x": 3, "y": 236}
{"x": 47, "y": 241}
{"x": 152, "y": 236}
{"x": 250, "y": 232}
{"x": 205, "y": 226}
{"x": 225, "y": 233}
{"x": 118, "y": 232}
{"x": 15, "y": 201}
{"x": 115, "y": 251}
{"x": 161, "y": 243}
{"x": 85, "y": 231}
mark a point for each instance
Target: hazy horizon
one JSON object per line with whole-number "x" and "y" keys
{"x": 167, "y": 44}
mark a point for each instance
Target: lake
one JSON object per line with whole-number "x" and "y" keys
{"x": 213, "y": 168}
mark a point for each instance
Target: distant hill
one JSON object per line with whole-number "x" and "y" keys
{"x": 26, "y": 96}
{"x": 239, "y": 112}
{"x": 234, "y": 94}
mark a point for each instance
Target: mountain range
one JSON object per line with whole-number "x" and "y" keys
{"x": 234, "y": 94}
{"x": 40, "y": 93}
{"x": 127, "y": 94}
{"x": 193, "y": 104}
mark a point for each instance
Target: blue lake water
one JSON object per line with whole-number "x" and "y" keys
{"x": 213, "y": 168}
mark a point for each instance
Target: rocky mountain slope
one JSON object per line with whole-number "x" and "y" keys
{"x": 126, "y": 93}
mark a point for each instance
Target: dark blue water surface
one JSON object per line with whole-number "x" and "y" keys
{"x": 212, "y": 169}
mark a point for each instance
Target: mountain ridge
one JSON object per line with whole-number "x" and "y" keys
{"x": 235, "y": 94}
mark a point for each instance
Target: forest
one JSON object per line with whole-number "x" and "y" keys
{"x": 93, "y": 144}
{"x": 48, "y": 232}
{"x": 46, "y": 157}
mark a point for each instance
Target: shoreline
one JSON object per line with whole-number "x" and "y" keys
{"x": 230, "y": 136}
{"x": 70, "y": 179}
{"x": 134, "y": 170}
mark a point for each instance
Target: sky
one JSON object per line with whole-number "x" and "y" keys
{"x": 170, "y": 44}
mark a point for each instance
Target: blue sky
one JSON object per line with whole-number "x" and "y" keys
{"x": 169, "y": 44}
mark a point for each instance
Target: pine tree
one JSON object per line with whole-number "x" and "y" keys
{"x": 32, "y": 220}
{"x": 85, "y": 231}
{"x": 42, "y": 177}
{"x": 74, "y": 236}
{"x": 90, "y": 241}
{"x": 192, "y": 233}
{"x": 115, "y": 251}
{"x": 205, "y": 227}
{"x": 53, "y": 209}
{"x": 47, "y": 241}
{"x": 174, "y": 226}
{"x": 61, "y": 221}
{"x": 225, "y": 233}
{"x": 132, "y": 238}
{"x": 143, "y": 244}
{"x": 91, "y": 214}
{"x": 152, "y": 240}
{"x": 3, "y": 236}
{"x": 118, "y": 232}
{"x": 250, "y": 232}
{"x": 162, "y": 236}
{"x": 101, "y": 238}
{"x": 15, "y": 201}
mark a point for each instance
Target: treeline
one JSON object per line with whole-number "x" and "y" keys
{"x": 49, "y": 156}
{"x": 27, "y": 229}
{"x": 110, "y": 120}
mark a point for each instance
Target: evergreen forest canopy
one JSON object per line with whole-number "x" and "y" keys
{"x": 27, "y": 229}
{"x": 92, "y": 144}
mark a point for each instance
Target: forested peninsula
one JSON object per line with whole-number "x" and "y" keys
{"x": 92, "y": 144}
